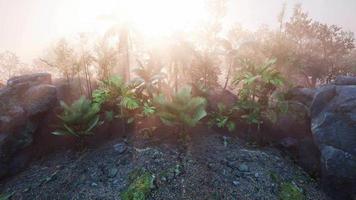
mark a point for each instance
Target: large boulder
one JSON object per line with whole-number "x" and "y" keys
{"x": 301, "y": 95}
{"x": 333, "y": 124}
{"x": 219, "y": 95}
{"x": 23, "y": 103}
{"x": 291, "y": 132}
{"x": 345, "y": 80}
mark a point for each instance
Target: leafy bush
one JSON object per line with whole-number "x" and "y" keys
{"x": 78, "y": 119}
{"x": 182, "y": 109}
{"x": 257, "y": 85}
{"x": 222, "y": 118}
{"x": 114, "y": 93}
{"x": 149, "y": 77}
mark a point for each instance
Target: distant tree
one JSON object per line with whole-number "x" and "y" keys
{"x": 205, "y": 70}
{"x": 62, "y": 58}
{"x": 105, "y": 58}
{"x": 318, "y": 47}
{"x": 9, "y": 64}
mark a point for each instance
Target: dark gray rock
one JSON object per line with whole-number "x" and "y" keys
{"x": 120, "y": 147}
{"x": 23, "y": 103}
{"x": 219, "y": 95}
{"x": 32, "y": 79}
{"x": 40, "y": 98}
{"x": 345, "y": 80}
{"x": 333, "y": 124}
{"x": 301, "y": 95}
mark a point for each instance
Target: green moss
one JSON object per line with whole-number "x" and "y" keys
{"x": 6, "y": 196}
{"x": 140, "y": 187}
{"x": 289, "y": 191}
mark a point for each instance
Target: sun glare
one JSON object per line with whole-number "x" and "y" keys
{"x": 150, "y": 17}
{"x": 157, "y": 17}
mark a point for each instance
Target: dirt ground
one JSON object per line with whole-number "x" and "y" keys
{"x": 212, "y": 167}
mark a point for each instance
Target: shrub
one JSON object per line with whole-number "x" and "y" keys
{"x": 222, "y": 118}
{"x": 78, "y": 119}
{"x": 148, "y": 80}
{"x": 118, "y": 97}
{"x": 257, "y": 85}
{"x": 182, "y": 110}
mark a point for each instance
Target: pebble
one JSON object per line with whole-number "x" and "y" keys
{"x": 256, "y": 175}
{"x": 94, "y": 184}
{"x": 120, "y": 147}
{"x": 243, "y": 168}
{"x": 236, "y": 183}
{"x": 112, "y": 172}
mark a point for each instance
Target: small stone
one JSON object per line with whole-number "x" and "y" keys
{"x": 243, "y": 168}
{"x": 120, "y": 147}
{"x": 236, "y": 183}
{"x": 94, "y": 184}
{"x": 112, "y": 172}
{"x": 256, "y": 175}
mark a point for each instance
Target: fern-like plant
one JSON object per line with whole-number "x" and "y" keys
{"x": 78, "y": 119}
{"x": 148, "y": 80}
{"x": 222, "y": 118}
{"x": 182, "y": 110}
{"x": 257, "y": 83}
{"x": 114, "y": 92}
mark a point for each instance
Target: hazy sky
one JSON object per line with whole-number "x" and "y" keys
{"x": 27, "y": 27}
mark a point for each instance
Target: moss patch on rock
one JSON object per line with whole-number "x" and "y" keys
{"x": 289, "y": 191}
{"x": 140, "y": 186}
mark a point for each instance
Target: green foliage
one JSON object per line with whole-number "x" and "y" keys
{"x": 258, "y": 82}
{"x": 205, "y": 71}
{"x": 149, "y": 77}
{"x": 140, "y": 186}
{"x": 182, "y": 109}
{"x": 148, "y": 110}
{"x": 6, "y": 196}
{"x": 78, "y": 119}
{"x": 289, "y": 191}
{"x": 222, "y": 118}
{"x": 257, "y": 85}
{"x": 115, "y": 93}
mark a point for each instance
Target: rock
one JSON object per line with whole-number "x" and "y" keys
{"x": 257, "y": 175}
{"x": 301, "y": 95}
{"x": 295, "y": 123}
{"x": 40, "y": 98}
{"x": 23, "y": 104}
{"x": 120, "y": 147}
{"x": 218, "y": 95}
{"x": 345, "y": 80}
{"x": 243, "y": 168}
{"x": 112, "y": 172}
{"x": 292, "y": 132}
{"x": 32, "y": 79}
{"x": 333, "y": 117}
{"x": 236, "y": 183}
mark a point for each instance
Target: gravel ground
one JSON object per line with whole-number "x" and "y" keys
{"x": 212, "y": 167}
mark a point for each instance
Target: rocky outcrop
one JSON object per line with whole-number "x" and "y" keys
{"x": 219, "y": 95}
{"x": 333, "y": 124}
{"x": 291, "y": 131}
{"x": 23, "y": 103}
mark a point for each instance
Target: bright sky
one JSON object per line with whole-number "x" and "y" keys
{"x": 27, "y": 27}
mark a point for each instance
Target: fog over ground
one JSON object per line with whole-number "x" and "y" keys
{"x": 27, "y": 27}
